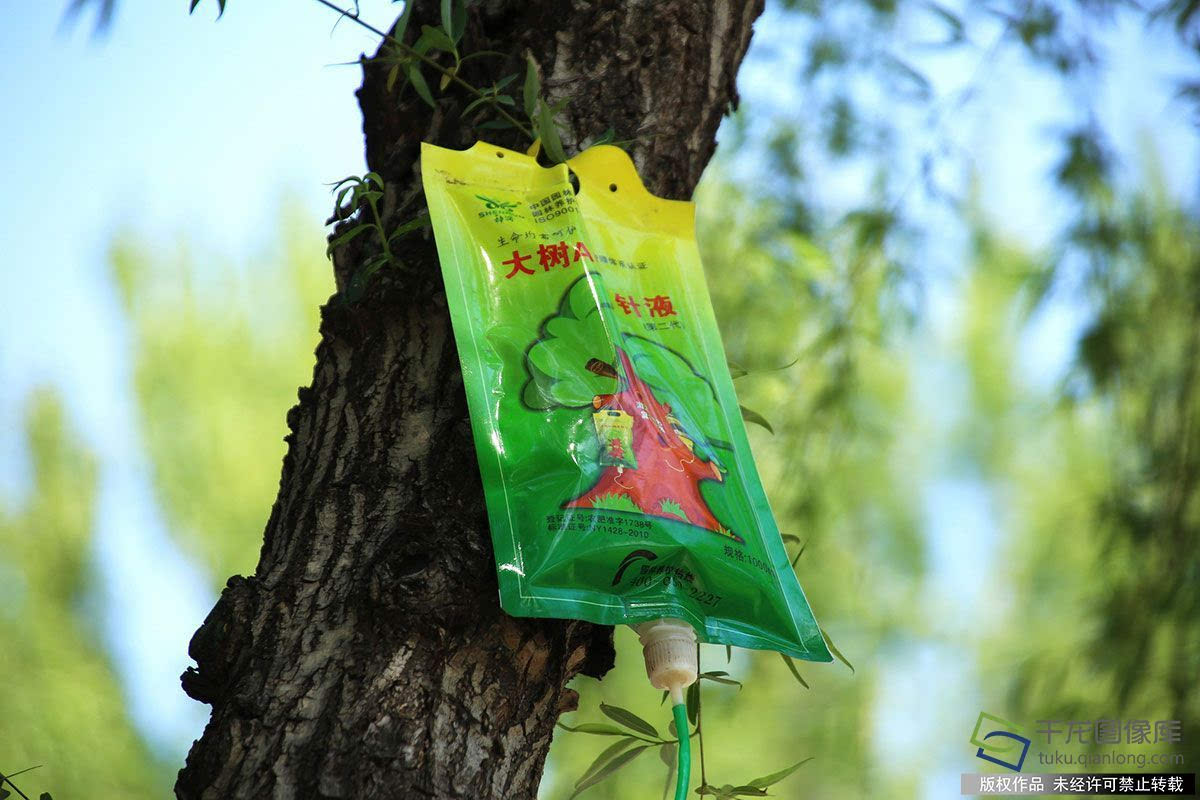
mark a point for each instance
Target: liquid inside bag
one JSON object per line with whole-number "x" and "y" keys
{"x": 619, "y": 482}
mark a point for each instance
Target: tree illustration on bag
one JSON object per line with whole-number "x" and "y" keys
{"x": 656, "y": 420}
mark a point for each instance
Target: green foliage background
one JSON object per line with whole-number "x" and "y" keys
{"x": 219, "y": 351}
{"x": 60, "y": 703}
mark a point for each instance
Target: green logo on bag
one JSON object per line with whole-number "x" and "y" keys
{"x": 496, "y": 205}
{"x": 629, "y": 559}
{"x": 498, "y": 210}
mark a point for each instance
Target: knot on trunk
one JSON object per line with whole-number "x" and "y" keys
{"x": 221, "y": 647}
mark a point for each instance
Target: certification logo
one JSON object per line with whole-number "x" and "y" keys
{"x": 999, "y": 741}
{"x": 627, "y": 562}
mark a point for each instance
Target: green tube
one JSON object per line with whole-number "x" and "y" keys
{"x": 684, "y": 773}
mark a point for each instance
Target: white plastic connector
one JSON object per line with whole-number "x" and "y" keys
{"x": 669, "y": 647}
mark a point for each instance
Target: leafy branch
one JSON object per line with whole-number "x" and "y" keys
{"x": 365, "y": 193}
{"x": 407, "y": 60}
{"x": 7, "y": 779}
{"x": 748, "y": 414}
{"x": 636, "y": 731}
{"x": 220, "y": 6}
{"x": 636, "y": 735}
{"x": 755, "y": 788}
{"x": 803, "y": 545}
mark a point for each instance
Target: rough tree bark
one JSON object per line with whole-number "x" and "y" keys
{"x": 368, "y": 657}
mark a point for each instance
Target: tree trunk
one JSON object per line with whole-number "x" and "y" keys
{"x": 368, "y": 656}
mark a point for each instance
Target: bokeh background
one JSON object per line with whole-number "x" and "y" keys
{"x": 955, "y": 247}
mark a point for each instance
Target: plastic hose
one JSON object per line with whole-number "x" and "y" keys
{"x": 683, "y": 774}
{"x": 673, "y": 664}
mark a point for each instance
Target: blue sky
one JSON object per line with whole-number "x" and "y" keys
{"x": 178, "y": 126}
